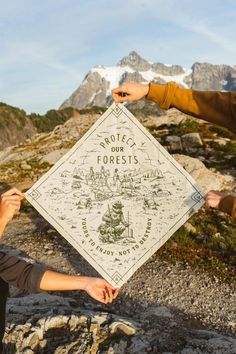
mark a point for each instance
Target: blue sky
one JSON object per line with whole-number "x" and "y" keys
{"x": 47, "y": 47}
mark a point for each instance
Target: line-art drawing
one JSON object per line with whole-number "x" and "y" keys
{"x": 117, "y": 195}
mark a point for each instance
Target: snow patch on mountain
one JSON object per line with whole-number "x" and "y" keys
{"x": 112, "y": 74}
{"x": 179, "y": 79}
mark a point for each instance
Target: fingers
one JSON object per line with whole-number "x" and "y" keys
{"x": 11, "y": 198}
{"x": 121, "y": 94}
{"x": 101, "y": 290}
{"x": 120, "y": 98}
{"x": 112, "y": 293}
{"x": 109, "y": 294}
{"x": 115, "y": 293}
{"x": 13, "y": 206}
{"x": 213, "y": 198}
{"x": 13, "y": 191}
{"x": 130, "y": 91}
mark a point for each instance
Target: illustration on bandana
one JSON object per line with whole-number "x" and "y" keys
{"x": 117, "y": 195}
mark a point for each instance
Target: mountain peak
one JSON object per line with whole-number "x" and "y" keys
{"x": 96, "y": 88}
{"x": 135, "y": 61}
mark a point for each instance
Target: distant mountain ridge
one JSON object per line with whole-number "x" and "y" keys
{"x": 96, "y": 87}
{"x": 16, "y": 125}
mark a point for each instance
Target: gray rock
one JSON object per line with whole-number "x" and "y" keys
{"x": 231, "y": 81}
{"x": 135, "y": 61}
{"x": 131, "y": 77}
{"x": 124, "y": 327}
{"x": 206, "y": 178}
{"x": 174, "y": 143}
{"x": 209, "y": 77}
{"x": 158, "y": 311}
{"x": 168, "y": 70}
{"x": 54, "y": 156}
{"x": 191, "y": 140}
{"x": 9, "y": 155}
{"x": 25, "y": 166}
{"x": 190, "y": 228}
{"x": 92, "y": 92}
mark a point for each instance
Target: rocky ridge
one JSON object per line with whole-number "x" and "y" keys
{"x": 16, "y": 125}
{"x": 96, "y": 87}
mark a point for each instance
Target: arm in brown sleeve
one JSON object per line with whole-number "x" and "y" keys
{"x": 212, "y": 106}
{"x": 21, "y": 274}
{"x": 228, "y": 205}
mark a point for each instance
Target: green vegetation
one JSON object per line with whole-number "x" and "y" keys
{"x": 211, "y": 248}
{"x": 13, "y": 116}
{"x": 220, "y": 152}
{"x": 10, "y": 115}
{"x": 13, "y": 172}
{"x": 46, "y": 123}
{"x": 93, "y": 110}
{"x": 188, "y": 126}
{"x": 191, "y": 125}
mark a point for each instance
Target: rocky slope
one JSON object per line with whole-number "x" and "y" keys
{"x": 96, "y": 87}
{"x": 170, "y": 304}
{"x": 16, "y": 126}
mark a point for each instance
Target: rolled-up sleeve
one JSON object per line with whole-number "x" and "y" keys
{"x": 21, "y": 274}
{"x": 228, "y": 205}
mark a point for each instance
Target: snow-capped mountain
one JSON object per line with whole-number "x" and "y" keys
{"x": 96, "y": 87}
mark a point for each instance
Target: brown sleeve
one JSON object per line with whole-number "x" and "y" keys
{"x": 212, "y": 106}
{"x": 21, "y": 274}
{"x": 228, "y": 205}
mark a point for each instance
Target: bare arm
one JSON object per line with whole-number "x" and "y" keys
{"x": 131, "y": 91}
{"x": 97, "y": 288}
{"x": 34, "y": 277}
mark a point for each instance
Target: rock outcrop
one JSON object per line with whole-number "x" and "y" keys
{"x": 210, "y": 77}
{"x": 52, "y": 324}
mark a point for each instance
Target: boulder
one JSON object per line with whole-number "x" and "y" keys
{"x": 207, "y": 179}
{"x": 53, "y": 156}
{"x": 191, "y": 140}
{"x": 174, "y": 143}
{"x": 25, "y": 166}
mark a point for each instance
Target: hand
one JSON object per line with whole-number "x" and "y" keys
{"x": 129, "y": 92}
{"x": 213, "y": 199}
{"x": 9, "y": 205}
{"x": 100, "y": 290}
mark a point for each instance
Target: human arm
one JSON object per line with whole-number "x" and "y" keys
{"x": 212, "y": 106}
{"x": 97, "y": 288}
{"x": 34, "y": 277}
{"x": 222, "y": 201}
